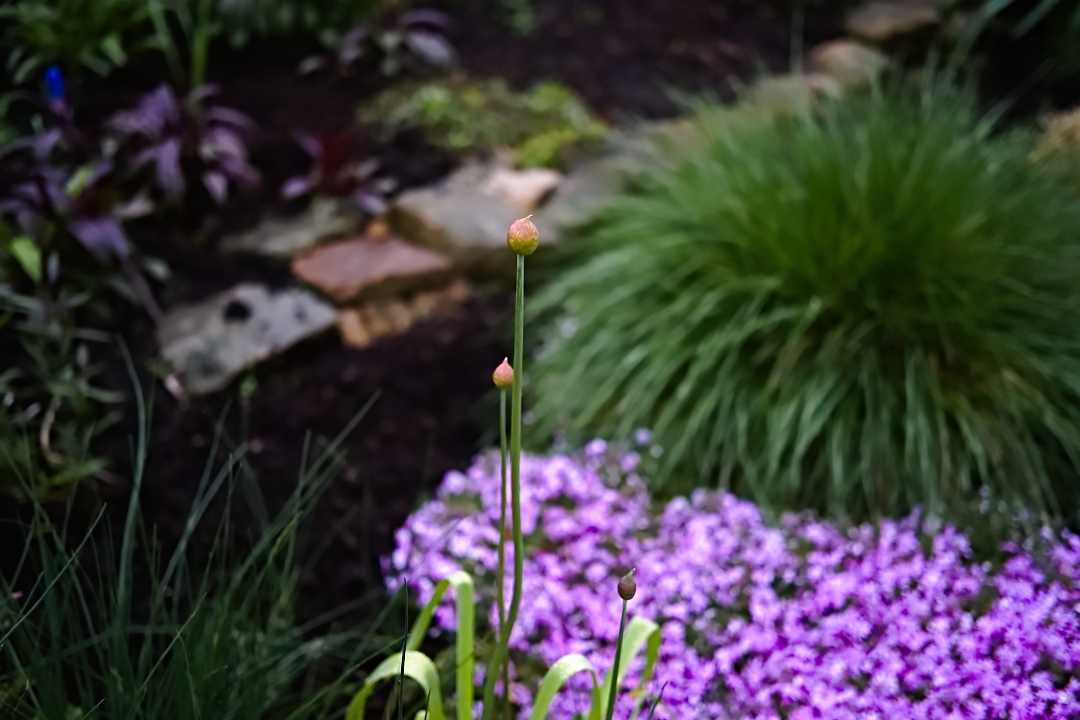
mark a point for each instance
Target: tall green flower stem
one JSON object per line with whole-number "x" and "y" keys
{"x": 626, "y": 588}
{"x": 500, "y": 574}
{"x": 501, "y": 648}
{"x": 615, "y": 666}
{"x": 503, "y": 377}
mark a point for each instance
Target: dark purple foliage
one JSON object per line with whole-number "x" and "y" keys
{"x": 181, "y": 140}
{"x": 41, "y": 199}
{"x": 418, "y": 33}
{"x": 336, "y": 174}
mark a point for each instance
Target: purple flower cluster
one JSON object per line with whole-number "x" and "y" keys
{"x": 803, "y": 620}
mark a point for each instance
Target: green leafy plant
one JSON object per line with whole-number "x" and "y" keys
{"x": 63, "y": 255}
{"x": 95, "y": 34}
{"x": 51, "y": 410}
{"x": 636, "y": 637}
{"x": 328, "y": 19}
{"x": 544, "y": 126}
{"x": 640, "y": 635}
{"x": 184, "y": 28}
{"x": 520, "y": 15}
{"x": 89, "y": 633}
{"x": 8, "y": 131}
{"x": 860, "y": 311}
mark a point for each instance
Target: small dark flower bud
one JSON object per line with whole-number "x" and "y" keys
{"x": 523, "y": 237}
{"x": 503, "y": 375}
{"x": 627, "y": 586}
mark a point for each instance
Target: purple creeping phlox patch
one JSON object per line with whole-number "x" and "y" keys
{"x": 797, "y": 621}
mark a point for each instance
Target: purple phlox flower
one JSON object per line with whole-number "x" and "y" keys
{"x": 801, "y": 620}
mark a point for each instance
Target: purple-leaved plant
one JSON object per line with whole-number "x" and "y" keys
{"x": 802, "y": 620}
{"x": 417, "y": 33}
{"x": 41, "y": 200}
{"x": 334, "y": 174}
{"x": 182, "y": 139}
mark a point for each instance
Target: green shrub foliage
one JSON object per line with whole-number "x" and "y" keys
{"x": 96, "y": 34}
{"x": 545, "y": 126}
{"x": 244, "y": 19}
{"x": 862, "y": 311}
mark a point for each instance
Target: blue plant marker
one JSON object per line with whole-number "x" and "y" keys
{"x": 55, "y": 89}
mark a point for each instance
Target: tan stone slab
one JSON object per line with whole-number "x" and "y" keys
{"x": 369, "y": 267}
{"x": 524, "y": 189}
{"x": 362, "y": 325}
{"x": 849, "y": 63}
{"x": 882, "y": 21}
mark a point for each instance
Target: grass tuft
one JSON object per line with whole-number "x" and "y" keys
{"x": 87, "y": 631}
{"x": 859, "y": 312}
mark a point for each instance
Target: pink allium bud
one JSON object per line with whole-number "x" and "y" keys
{"x": 627, "y": 586}
{"x": 523, "y": 237}
{"x": 503, "y": 375}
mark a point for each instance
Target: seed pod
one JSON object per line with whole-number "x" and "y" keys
{"x": 523, "y": 237}
{"x": 503, "y": 375}
{"x": 627, "y": 586}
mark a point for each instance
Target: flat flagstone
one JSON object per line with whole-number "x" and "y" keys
{"x": 207, "y": 344}
{"x": 524, "y": 189}
{"x": 369, "y": 267}
{"x": 849, "y": 63}
{"x": 883, "y": 21}
{"x": 283, "y": 238}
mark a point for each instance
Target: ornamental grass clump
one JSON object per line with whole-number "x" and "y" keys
{"x": 861, "y": 311}
{"x": 799, "y": 620}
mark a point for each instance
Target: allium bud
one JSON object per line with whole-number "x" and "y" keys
{"x": 523, "y": 237}
{"x": 627, "y": 586}
{"x": 503, "y": 375}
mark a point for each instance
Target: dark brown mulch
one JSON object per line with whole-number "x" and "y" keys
{"x": 626, "y": 56}
{"x": 427, "y": 388}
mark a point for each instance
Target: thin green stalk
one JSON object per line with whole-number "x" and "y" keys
{"x": 501, "y": 647}
{"x": 200, "y": 46}
{"x": 165, "y": 39}
{"x": 499, "y": 591}
{"x": 615, "y": 665}
{"x": 127, "y": 548}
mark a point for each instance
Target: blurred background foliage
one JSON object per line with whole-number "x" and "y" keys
{"x": 95, "y": 34}
{"x": 326, "y": 19}
{"x": 55, "y": 284}
{"x": 544, "y": 126}
{"x": 101, "y": 35}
